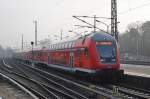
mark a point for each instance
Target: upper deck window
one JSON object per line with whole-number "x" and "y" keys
{"x": 69, "y": 44}
{"x": 73, "y": 44}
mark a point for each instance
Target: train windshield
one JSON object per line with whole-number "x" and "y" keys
{"x": 107, "y": 52}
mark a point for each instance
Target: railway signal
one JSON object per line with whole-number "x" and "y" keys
{"x": 32, "y": 50}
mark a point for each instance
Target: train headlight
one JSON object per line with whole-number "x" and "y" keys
{"x": 102, "y": 60}
{"x": 113, "y": 60}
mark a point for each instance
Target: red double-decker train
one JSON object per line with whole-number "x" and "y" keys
{"x": 97, "y": 53}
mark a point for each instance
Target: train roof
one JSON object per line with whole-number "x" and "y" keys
{"x": 102, "y": 36}
{"x": 98, "y": 36}
{"x": 95, "y": 36}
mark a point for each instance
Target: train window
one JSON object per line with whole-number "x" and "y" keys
{"x": 86, "y": 52}
{"x": 78, "y": 52}
{"x": 73, "y": 44}
{"x": 58, "y": 46}
{"x": 52, "y": 46}
{"x": 70, "y": 43}
{"x": 65, "y": 45}
{"x": 62, "y": 45}
{"x": 55, "y": 46}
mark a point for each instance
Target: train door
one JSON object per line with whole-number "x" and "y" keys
{"x": 71, "y": 59}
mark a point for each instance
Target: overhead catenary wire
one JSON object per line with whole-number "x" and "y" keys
{"x": 134, "y": 8}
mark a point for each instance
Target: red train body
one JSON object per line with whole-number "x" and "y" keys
{"x": 92, "y": 54}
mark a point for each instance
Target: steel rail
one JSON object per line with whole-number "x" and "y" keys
{"x": 125, "y": 93}
{"x": 56, "y": 90}
{"x": 74, "y": 83}
{"x": 60, "y": 85}
{"x": 77, "y": 94}
{"x": 19, "y": 85}
{"x": 37, "y": 83}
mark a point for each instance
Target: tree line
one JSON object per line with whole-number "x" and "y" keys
{"x": 8, "y": 52}
{"x": 136, "y": 39}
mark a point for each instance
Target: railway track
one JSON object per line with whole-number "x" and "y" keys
{"x": 123, "y": 91}
{"x": 79, "y": 89}
{"x": 74, "y": 89}
{"x": 10, "y": 89}
{"x": 54, "y": 84}
{"x": 38, "y": 88}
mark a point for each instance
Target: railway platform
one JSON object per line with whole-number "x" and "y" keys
{"x": 9, "y": 91}
{"x": 138, "y": 70}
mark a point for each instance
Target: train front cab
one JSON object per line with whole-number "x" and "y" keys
{"x": 100, "y": 57}
{"x": 107, "y": 55}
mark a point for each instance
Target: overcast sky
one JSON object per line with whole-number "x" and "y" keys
{"x": 17, "y": 16}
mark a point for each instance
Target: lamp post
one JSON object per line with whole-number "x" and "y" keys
{"x": 22, "y": 44}
{"x": 61, "y": 32}
{"x": 61, "y": 35}
{"x": 35, "y": 22}
{"x": 137, "y": 46}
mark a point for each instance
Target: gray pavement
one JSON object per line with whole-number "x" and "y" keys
{"x": 140, "y": 70}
